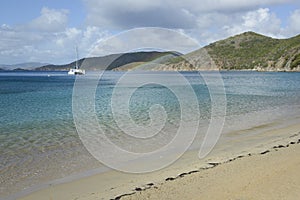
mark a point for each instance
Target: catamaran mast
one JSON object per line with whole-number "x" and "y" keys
{"x": 76, "y": 66}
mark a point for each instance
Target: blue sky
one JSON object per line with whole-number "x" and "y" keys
{"x": 283, "y": 11}
{"x": 48, "y": 30}
{"x": 15, "y": 12}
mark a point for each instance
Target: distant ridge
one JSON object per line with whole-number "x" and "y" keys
{"x": 111, "y": 62}
{"x": 24, "y": 66}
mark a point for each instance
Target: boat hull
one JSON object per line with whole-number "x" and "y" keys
{"x": 76, "y": 72}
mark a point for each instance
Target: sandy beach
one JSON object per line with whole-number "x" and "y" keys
{"x": 269, "y": 175}
{"x": 150, "y": 100}
{"x": 266, "y": 169}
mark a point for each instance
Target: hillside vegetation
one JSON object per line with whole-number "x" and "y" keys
{"x": 253, "y": 51}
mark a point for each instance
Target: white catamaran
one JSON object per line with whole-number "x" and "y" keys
{"x": 76, "y": 70}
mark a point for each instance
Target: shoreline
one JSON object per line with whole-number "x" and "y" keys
{"x": 116, "y": 185}
{"x": 203, "y": 70}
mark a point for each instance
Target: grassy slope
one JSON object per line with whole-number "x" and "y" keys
{"x": 251, "y": 50}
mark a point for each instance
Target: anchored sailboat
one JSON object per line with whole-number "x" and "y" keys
{"x": 76, "y": 70}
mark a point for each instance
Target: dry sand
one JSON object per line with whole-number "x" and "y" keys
{"x": 273, "y": 175}
{"x": 257, "y": 171}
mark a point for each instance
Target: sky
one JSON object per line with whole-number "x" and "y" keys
{"x": 48, "y": 30}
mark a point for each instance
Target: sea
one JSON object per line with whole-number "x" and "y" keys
{"x": 39, "y": 135}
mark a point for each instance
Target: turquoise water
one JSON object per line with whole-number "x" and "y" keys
{"x": 38, "y": 138}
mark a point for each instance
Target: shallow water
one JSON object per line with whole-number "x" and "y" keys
{"x": 38, "y": 138}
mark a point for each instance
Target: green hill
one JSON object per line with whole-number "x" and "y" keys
{"x": 253, "y": 51}
{"x": 247, "y": 51}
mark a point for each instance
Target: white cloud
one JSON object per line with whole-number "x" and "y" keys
{"x": 48, "y": 38}
{"x": 252, "y": 19}
{"x": 207, "y": 21}
{"x": 50, "y": 20}
{"x": 294, "y": 23}
{"x": 69, "y": 35}
{"x": 260, "y": 20}
{"x": 83, "y": 38}
{"x": 125, "y": 14}
{"x": 145, "y": 38}
{"x": 18, "y": 45}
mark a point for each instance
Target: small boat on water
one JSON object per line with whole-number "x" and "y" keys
{"x": 76, "y": 70}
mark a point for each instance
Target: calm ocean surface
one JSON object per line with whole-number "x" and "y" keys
{"x": 38, "y": 138}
